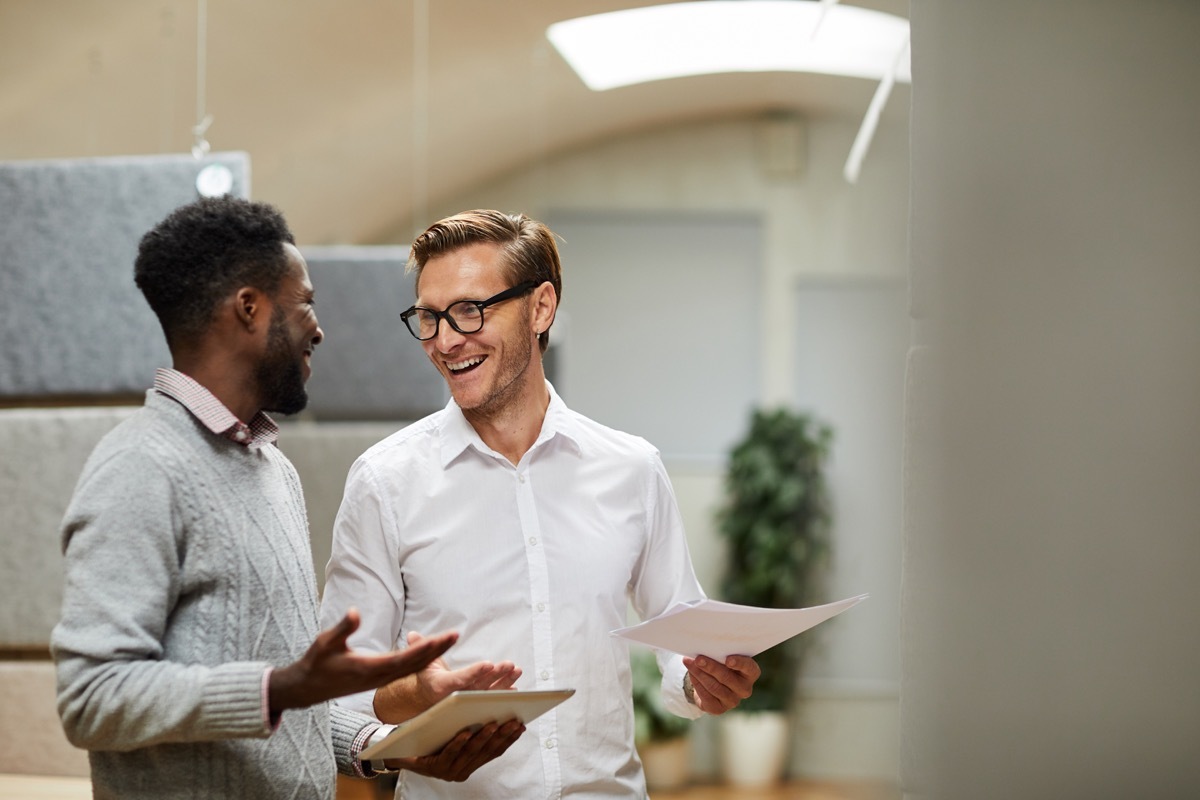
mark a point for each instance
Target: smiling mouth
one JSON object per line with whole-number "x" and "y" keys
{"x": 466, "y": 365}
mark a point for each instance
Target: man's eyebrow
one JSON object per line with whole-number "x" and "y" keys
{"x": 419, "y": 304}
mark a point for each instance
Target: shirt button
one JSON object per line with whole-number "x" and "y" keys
{"x": 545, "y": 675}
{"x": 550, "y": 744}
{"x": 541, "y": 606}
{"x": 240, "y": 436}
{"x": 533, "y": 540}
{"x": 521, "y": 478}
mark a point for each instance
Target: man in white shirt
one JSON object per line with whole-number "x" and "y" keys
{"x": 522, "y": 524}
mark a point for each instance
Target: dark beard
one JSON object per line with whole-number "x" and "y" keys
{"x": 280, "y": 376}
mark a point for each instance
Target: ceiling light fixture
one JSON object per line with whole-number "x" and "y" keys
{"x": 637, "y": 45}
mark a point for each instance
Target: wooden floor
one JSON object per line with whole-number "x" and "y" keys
{"x": 30, "y": 787}
{"x": 350, "y": 789}
{"x": 797, "y": 790}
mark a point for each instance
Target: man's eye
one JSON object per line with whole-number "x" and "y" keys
{"x": 465, "y": 311}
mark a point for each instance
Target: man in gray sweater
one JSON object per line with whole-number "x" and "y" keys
{"x": 190, "y": 664}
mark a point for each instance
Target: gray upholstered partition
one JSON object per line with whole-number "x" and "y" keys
{"x": 368, "y": 367}
{"x": 42, "y": 452}
{"x": 71, "y": 319}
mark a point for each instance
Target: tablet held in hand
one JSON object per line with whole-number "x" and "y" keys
{"x": 430, "y": 730}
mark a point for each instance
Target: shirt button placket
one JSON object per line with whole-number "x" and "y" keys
{"x": 542, "y": 622}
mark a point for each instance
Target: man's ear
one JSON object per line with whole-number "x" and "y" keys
{"x": 249, "y": 306}
{"x": 545, "y": 306}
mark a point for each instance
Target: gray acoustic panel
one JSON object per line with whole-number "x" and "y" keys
{"x": 368, "y": 367}
{"x": 42, "y": 452}
{"x": 72, "y": 322}
{"x": 322, "y": 455}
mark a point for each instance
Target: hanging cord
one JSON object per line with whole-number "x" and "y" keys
{"x": 200, "y": 146}
{"x": 420, "y": 116}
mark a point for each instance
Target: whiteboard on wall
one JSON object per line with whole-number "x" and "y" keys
{"x": 852, "y": 339}
{"x": 662, "y": 325}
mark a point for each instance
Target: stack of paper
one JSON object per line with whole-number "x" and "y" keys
{"x": 719, "y": 630}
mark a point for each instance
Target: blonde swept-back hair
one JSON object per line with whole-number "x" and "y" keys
{"x": 528, "y": 246}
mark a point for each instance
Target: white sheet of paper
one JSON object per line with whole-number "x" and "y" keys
{"x": 719, "y": 630}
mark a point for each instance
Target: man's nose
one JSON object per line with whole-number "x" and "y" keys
{"x": 320, "y": 337}
{"x": 447, "y": 337}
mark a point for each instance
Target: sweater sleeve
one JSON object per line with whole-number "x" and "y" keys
{"x": 351, "y": 731}
{"x": 122, "y": 540}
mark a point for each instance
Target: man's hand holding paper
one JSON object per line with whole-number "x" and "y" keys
{"x": 718, "y": 687}
{"x": 718, "y": 641}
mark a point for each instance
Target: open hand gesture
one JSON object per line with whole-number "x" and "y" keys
{"x": 409, "y": 696}
{"x": 331, "y": 669}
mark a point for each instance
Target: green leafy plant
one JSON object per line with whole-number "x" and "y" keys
{"x": 775, "y": 520}
{"x": 651, "y": 720}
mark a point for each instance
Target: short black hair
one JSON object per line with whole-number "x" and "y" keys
{"x": 201, "y": 253}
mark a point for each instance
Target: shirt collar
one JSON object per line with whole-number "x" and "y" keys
{"x": 212, "y": 413}
{"x": 457, "y": 434}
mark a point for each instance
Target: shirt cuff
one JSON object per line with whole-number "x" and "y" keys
{"x": 369, "y": 735}
{"x": 672, "y": 690}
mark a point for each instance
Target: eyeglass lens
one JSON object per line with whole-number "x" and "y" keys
{"x": 465, "y": 316}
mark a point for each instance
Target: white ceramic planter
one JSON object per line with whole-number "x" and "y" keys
{"x": 754, "y": 747}
{"x": 666, "y": 764}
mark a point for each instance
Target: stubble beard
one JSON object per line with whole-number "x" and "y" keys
{"x": 507, "y": 386}
{"x": 280, "y": 375}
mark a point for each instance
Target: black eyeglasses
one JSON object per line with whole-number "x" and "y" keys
{"x": 465, "y": 316}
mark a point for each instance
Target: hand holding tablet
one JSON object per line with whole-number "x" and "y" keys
{"x": 430, "y": 730}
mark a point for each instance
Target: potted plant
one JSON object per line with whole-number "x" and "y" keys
{"x": 661, "y": 737}
{"x": 775, "y": 520}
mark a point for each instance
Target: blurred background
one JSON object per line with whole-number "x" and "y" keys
{"x": 716, "y": 259}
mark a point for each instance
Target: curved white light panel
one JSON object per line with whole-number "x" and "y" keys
{"x": 697, "y": 38}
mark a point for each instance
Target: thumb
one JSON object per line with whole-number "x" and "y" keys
{"x": 346, "y": 626}
{"x": 414, "y": 637}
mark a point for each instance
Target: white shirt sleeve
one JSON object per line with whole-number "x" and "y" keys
{"x": 665, "y": 576}
{"x": 364, "y": 572}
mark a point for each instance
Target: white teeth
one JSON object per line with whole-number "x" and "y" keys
{"x": 470, "y": 362}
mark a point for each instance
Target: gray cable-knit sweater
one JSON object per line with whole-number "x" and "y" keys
{"x": 188, "y": 573}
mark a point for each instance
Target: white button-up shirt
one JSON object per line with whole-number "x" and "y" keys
{"x": 533, "y": 563}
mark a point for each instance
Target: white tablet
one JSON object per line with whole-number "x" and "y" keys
{"x": 429, "y": 731}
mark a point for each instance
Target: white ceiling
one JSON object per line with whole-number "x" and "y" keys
{"x": 344, "y": 133}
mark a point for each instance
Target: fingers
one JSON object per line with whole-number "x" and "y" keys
{"x": 720, "y": 687}
{"x": 334, "y": 639}
{"x": 484, "y": 675}
{"x": 423, "y": 651}
{"x": 745, "y": 665}
{"x": 466, "y": 752}
{"x": 397, "y": 664}
{"x": 507, "y": 676}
